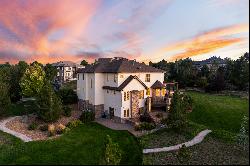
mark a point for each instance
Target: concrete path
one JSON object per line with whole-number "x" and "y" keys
{"x": 5, "y": 129}
{"x": 113, "y": 125}
{"x": 197, "y": 139}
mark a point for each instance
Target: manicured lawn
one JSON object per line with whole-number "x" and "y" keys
{"x": 222, "y": 114}
{"x": 82, "y": 145}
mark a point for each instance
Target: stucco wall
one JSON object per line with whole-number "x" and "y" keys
{"x": 113, "y": 100}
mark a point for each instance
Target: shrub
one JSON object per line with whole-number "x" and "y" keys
{"x": 66, "y": 130}
{"x": 74, "y": 124}
{"x": 87, "y": 116}
{"x": 51, "y": 130}
{"x": 67, "y": 95}
{"x": 33, "y": 126}
{"x": 67, "y": 111}
{"x": 184, "y": 154}
{"x": 113, "y": 154}
{"x": 146, "y": 118}
{"x": 4, "y": 97}
{"x": 145, "y": 126}
{"x": 44, "y": 127}
{"x": 60, "y": 128}
{"x": 242, "y": 136}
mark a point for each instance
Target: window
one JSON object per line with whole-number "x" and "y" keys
{"x": 115, "y": 77}
{"x": 114, "y": 92}
{"x": 90, "y": 83}
{"x": 121, "y": 76}
{"x": 157, "y": 92}
{"x": 107, "y": 91}
{"x": 78, "y": 76}
{"x": 147, "y": 78}
{"x": 107, "y": 77}
{"x": 148, "y": 92}
{"x": 163, "y": 92}
{"x": 127, "y": 95}
{"x": 126, "y": 113}
{"x": 141, "y": 96}
{"x": 82, "y": 76}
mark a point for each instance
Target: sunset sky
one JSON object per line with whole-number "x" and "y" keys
{"x": 145, "y": 30}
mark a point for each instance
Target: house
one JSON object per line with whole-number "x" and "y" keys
{"x": 119, "y": 87}
{"x": 66, "y": 70}
{"x": 210, "y": 62}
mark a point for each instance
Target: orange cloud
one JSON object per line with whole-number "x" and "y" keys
{"x": 31, "y": 26}
{"x": 202, "y": 43}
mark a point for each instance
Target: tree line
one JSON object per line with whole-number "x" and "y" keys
{"x": 234, "y": 75}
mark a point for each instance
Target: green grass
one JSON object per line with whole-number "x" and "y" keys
{"x": 82, "y": 145}
{"x": 222, "y": 114}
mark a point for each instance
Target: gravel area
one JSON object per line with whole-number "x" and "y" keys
{"x": 20, "y": 125}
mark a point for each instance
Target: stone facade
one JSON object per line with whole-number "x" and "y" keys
{"x": 84, "y": 104}
{"x": 135, "y": 104}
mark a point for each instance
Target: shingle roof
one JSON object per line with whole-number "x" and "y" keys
{"x": 125, "y": 83}
{"x": 118, "y": 65}
{"x": 157, "y": 84}
{"x": 66, "y": 63}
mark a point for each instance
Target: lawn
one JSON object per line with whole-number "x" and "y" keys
{"x": 223, "y": 115}
{"x": 82, "y": 145}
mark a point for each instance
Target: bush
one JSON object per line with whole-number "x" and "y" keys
{"x": 146, "y": 118}
{"x": 60, "y": 128}
{"x": 67, "y": 111}
{"x": 145, "y": 126}
{"x": 159, "y": 115}
{"x": 51, "y": 130}
{"x": 113, "y": 154}
{"x": 4, "y": 97}
{"x": 87, "y": 116}
{"x": 68, "y": 96}
{"x": 44, "y": 127}
{"x": 33, "y": 126}
{"x": 74, "y": 124}
{"x": 66, "y": 130}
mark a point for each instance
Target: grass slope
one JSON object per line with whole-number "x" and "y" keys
{"x": 82, "y": 145}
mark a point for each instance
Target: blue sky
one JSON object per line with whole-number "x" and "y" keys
{"x": 146, "y": 30}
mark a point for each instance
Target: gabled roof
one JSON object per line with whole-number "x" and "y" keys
{"x": 125, "y": 83}
{"x": 118, "y": 65}
{"x": 157, "y": 85}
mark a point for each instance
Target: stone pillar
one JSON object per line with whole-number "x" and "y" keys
{"x": 134, "y": 103}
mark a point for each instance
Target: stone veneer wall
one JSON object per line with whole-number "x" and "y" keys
{"x": 135, "y": 104}
{"x": 84, "y": 104}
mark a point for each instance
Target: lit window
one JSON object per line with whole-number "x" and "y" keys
{"x": 148, "y": 92}
{"x": 157, "y": 92}
{"x": 127, "y": 95}
{"x": 141, "y": 96}
{"x": 126, "y": 113}
{"x": 147, "y": 78}
{"x": 163, "y": 92}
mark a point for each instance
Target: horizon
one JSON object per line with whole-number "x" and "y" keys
{"x": 142, "y": 30}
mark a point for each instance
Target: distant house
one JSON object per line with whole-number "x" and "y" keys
{"x": 209, "y": 62}
{"x": 119, "y": 87}
{"x": 66, "y": 70}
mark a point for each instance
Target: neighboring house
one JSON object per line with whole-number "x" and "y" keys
{"x": 217, "y": 61}
{"x": 66, "y": 70}
{"x": 120, "y": 87}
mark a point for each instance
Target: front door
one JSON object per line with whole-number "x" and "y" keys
{"x": 111, "y": 112}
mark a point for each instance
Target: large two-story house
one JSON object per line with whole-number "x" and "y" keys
{"x": 120, "y": 87}
{"x": 66, "y": 70}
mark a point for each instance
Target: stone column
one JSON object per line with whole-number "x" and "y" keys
{"x": 134, "y": 103}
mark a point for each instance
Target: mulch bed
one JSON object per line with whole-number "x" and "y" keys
{"x": 20, "y": 124}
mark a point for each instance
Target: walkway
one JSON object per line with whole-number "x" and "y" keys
{"x": 113, "y": 125}
{"x": 5, "y": 129}
{"x": 194, "y": 141}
